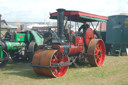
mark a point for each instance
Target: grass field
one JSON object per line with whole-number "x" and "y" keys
{"x": 113, "y": 72}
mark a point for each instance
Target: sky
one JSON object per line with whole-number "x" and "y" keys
{"x": 38, "y": 10}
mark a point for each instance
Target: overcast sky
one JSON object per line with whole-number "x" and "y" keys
{"x": 38, "y": 10}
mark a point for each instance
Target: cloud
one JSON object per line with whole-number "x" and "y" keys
{"x": 38, "y": 10}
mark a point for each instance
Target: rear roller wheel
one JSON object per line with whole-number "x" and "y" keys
{"x": 96, "y": 52}
{"x": 49, "y": 58}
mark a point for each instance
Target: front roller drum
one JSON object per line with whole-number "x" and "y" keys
{"x": 96, "y": 52}
{"x": 44, "y": 62}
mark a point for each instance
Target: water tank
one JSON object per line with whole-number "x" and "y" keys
{"x": 117, "y": 29}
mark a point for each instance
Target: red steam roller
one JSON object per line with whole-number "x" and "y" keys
{"x": 66, "y": 46}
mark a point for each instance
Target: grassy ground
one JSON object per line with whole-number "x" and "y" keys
{"x": 113, "y": 72}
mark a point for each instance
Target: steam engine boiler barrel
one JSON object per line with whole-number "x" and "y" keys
{"x": 77, "y": 46}
{"x": 74, "y": 50}
{"x": 60, "y": 23}
{"x": 14, "y": 45}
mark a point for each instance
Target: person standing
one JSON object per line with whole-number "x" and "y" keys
{"x": 85, "y": 26}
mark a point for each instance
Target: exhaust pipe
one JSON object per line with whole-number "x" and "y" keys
{"x": 60, "y": 24}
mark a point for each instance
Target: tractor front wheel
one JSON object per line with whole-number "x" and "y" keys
{"x": 32, "y": 48}
{"x": 4, "y": 60}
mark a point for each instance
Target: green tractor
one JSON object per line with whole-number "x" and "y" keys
{"x": 19, "y": 46}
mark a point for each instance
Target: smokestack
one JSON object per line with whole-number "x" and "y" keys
{"x": 60, "y": 23}
{"x": 21, "y": 27}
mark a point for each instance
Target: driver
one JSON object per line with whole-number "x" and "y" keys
{"x": 84, "y": 27}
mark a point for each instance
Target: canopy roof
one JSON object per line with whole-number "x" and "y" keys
{"x": 78, "y": 16}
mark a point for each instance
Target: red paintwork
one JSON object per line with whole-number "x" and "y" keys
{"x": 78, "y": 41}
{"x": 99, "y": 58}
{"x": 57, "y": 58}
{"x": 89, "y": 35}
{"x": 76, "y": 47}
{"x": 20, "y": 36}
{"x": 75, "y": 13}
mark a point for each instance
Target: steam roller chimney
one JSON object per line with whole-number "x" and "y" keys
{"x": 60, "y": 24}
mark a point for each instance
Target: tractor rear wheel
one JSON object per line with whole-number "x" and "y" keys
{"x": 4, "y": 60}
{"x": 32, "y": 48}
{"x": 46, "y": 59}
{"x": 96, "y": 52}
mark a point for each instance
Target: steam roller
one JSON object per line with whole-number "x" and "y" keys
{"x": 64, "y": 48}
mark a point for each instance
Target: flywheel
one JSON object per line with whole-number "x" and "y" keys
{"x": 89, "y": 35}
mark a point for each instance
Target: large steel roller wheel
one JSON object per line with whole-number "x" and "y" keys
{"x": 96, "y": 52}
{"x": 49, "y": 58}
{"x": 89, "y": 35}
